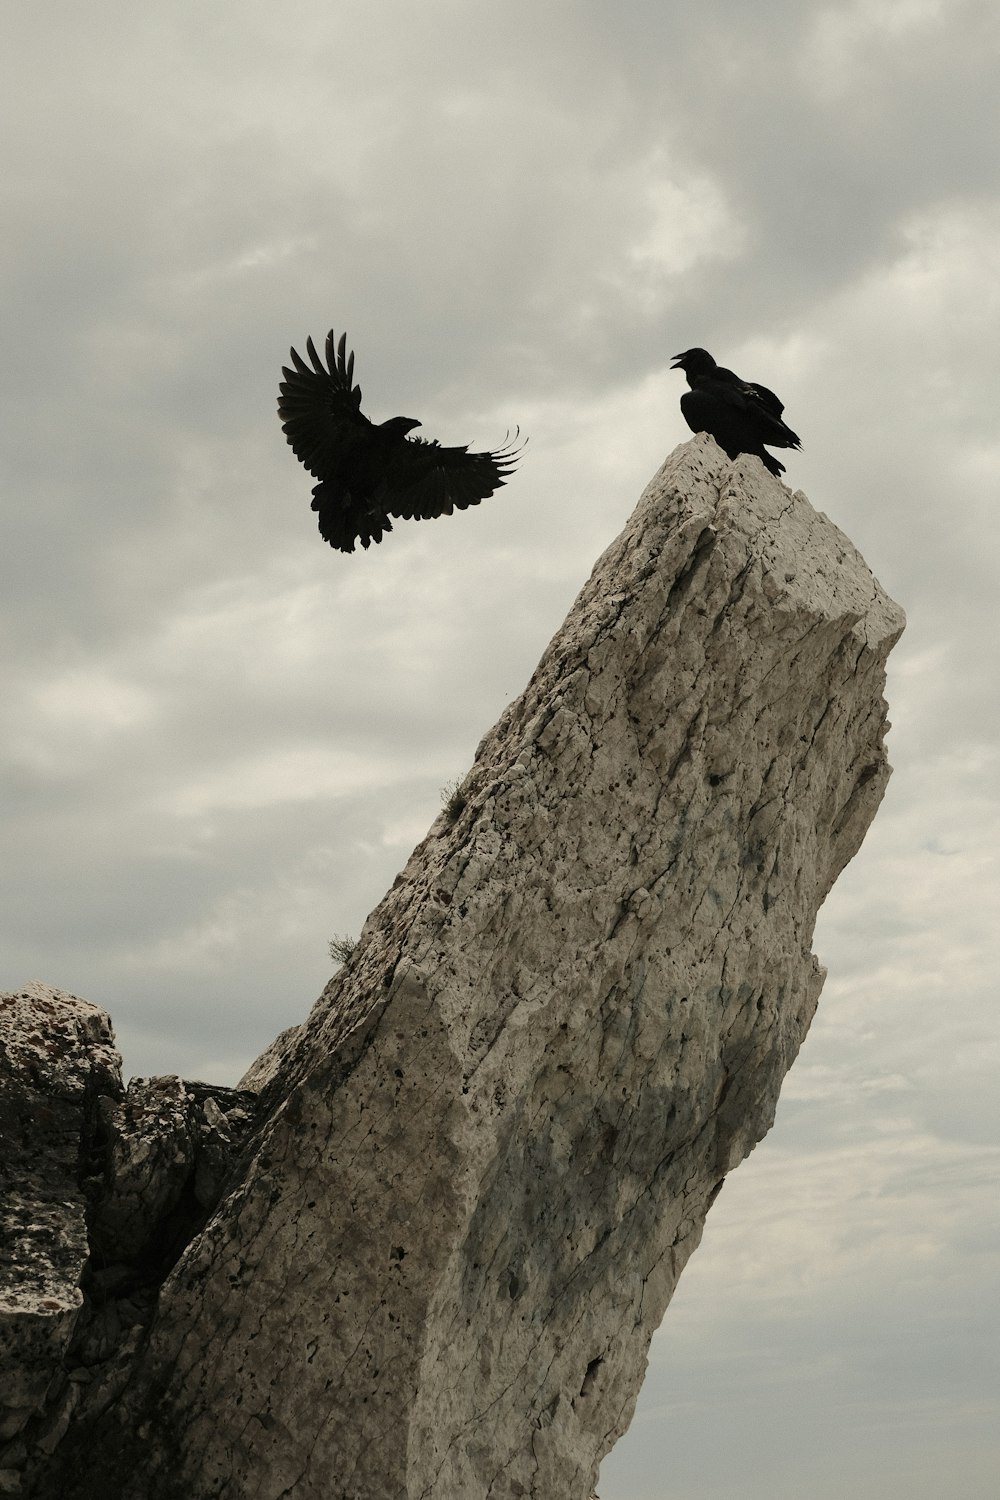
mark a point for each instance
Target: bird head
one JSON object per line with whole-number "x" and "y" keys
{"x": 694, "y": 362}
{"x": 398, "y": 426}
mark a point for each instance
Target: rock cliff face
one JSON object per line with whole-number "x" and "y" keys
{"x": 478, "y": 1168}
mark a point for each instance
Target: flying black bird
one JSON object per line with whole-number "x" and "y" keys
{"x": 369, "y": 471}
{"x": 740, "y": 415}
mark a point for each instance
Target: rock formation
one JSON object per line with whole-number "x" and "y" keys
{"x": 102, "y": 1189}
{"x": 430, "y": 1265}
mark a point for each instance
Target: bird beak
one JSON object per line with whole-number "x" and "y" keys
{"x": 678, "y": 361}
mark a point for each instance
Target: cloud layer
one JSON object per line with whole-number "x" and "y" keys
{"x": 220, "y": 740}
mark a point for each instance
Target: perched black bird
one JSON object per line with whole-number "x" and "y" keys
{"x": 370, "y": 471}
{"x": 738, "y": 414}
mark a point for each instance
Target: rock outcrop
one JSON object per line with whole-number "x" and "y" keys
{"x": 57, "y": 1059}
{"x": 103, "y": 1188}
{"x": 476, "y": 1171}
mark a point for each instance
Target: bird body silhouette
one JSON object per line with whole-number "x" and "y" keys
{"x": 739, "y": 414}
{"x": 368, "y": 471}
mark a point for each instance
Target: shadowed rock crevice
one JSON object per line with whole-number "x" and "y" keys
{"x": 479, "y": 1166}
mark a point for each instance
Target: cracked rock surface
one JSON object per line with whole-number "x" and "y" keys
{"x": 481, "y": 1163}
{"x": 57, "y": 1058}
{"x": 102, "y": 1188}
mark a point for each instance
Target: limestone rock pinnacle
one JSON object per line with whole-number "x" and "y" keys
{"x": 480, "y": 1165}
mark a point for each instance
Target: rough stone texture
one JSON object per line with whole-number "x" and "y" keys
{"x": 57, "y": 1056}
{"x": 481, "y": 1164}
{"x": 102, "y": 1190}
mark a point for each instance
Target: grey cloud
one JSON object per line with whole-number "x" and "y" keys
{"x": 220, "y": 741}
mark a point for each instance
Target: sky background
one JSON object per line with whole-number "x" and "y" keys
{"x": 220, "y": 739}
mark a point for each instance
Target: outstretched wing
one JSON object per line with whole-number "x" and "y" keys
{"x": 320, "y": 410}
{"x": 424, "y": 480}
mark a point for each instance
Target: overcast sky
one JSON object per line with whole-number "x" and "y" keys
{"x": 221, "y": 739}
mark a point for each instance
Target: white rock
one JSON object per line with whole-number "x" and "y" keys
{"x": 490, "y": 1150}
